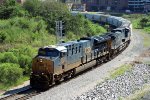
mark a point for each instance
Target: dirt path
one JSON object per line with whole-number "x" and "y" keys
{"x": 88, "y": 80}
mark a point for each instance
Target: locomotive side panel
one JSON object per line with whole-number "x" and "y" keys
{"x": 103, "y": 18}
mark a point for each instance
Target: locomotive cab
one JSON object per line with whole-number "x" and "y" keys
{"x": 48, "y": 52}
{"x": 124, "y": 32}
{"x": 48, "y": 61}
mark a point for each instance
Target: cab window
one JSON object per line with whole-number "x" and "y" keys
{"x": 48, "y": 52}
{"x": 63, "y": 54}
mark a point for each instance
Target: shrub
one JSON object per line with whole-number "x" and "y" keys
{"x": 25, "y": 63}
{"x": 9, "y": 57}
{"x": 32, "y": 6}
{"x": 50, "y": 11}
{"x": 10, "y": 73}
{"x": 1, "y": 56}
{"x": 11, "y": 8}
{"x": 93, "y": 29}
{"x": 26, "y": 50}
{"x": 70, "y": 35}
{"x": 143, "y": 22}
{"x": 22, "y": 30}
{"x": 23, "y": 50}
{"x": 2, "y": 37}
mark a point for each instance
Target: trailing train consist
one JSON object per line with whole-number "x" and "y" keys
{"x": 55, "y": 63}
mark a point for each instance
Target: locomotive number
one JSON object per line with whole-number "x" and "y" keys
{"x": 87, "y": 50}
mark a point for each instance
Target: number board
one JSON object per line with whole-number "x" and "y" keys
{"x": 87, "y": 50}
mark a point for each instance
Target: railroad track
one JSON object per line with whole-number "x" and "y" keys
{"x": 21, "y": 95}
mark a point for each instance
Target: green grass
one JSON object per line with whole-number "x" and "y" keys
{"x": 145, "y": 31}
{"x": 121, "y": 70}
{"x": 135, "y": 23}
{"x": 146, "y": 39}
{"x": 5, "y": 87}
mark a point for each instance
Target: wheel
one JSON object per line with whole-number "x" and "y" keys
{"x": 73, "y": 73}
{"x": 57, "y": 82}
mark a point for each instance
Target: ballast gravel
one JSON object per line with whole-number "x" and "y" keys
{"x": 121, "y": 86}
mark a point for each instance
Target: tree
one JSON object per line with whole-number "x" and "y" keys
{"x": 11, "y": 8}
{"x": 49, "y": 10}
{"x": 32, "y": 6}
{"x": 143, "y": 22}
{"x": 10, "y": 73}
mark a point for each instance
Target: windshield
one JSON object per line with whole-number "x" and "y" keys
{"x": 114, "y": 31}
{"x": 48, "y": 52}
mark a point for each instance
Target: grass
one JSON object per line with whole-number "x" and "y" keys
{"x": 5, "y": 87}
{"x": 121, "y": 70}
{"x": 145, "y": 31}
{"x": 139, "y": 94}
{"x": 146, "y": 39}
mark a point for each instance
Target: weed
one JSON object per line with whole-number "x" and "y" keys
{"x": 121, "y": 70}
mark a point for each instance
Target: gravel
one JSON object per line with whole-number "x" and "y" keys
{"x": 88, "y": 80}
{"x": 121, "y": 86}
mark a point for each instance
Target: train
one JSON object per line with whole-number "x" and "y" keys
{"x": 59, "y": 62}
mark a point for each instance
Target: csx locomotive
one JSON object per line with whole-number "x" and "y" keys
{"x": 55, "y": 63}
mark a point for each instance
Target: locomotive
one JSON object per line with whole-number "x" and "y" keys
{"x": 58, "y": 62}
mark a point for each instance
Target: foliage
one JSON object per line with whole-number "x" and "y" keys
{"x": 143, "y": 21}
{"x": 21, "y": 29}
{"x": 22, "y": 56}
{"x": 9, "y": 57}
{"x": 23, "y": 50}
{"x": 25, "y": 63}
{"x": 135, "y": 23}
{"x": 48, "y": 10}
{"x": 7, "y": 86}
{"x": 10, "y": 73}
{"x": 32, "y": 6}
{"x": 11, "y": 8}
{"x": 80, "y": 26}
{"x": 2, "y": 37}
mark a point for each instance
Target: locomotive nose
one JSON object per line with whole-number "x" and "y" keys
{"x": 42, "y": 65}
{"x": 41, "y": 76}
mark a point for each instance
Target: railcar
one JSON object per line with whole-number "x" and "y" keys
{"x": 60, "y": 62}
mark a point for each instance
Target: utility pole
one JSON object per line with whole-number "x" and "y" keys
{"x": 59, "y": 32}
